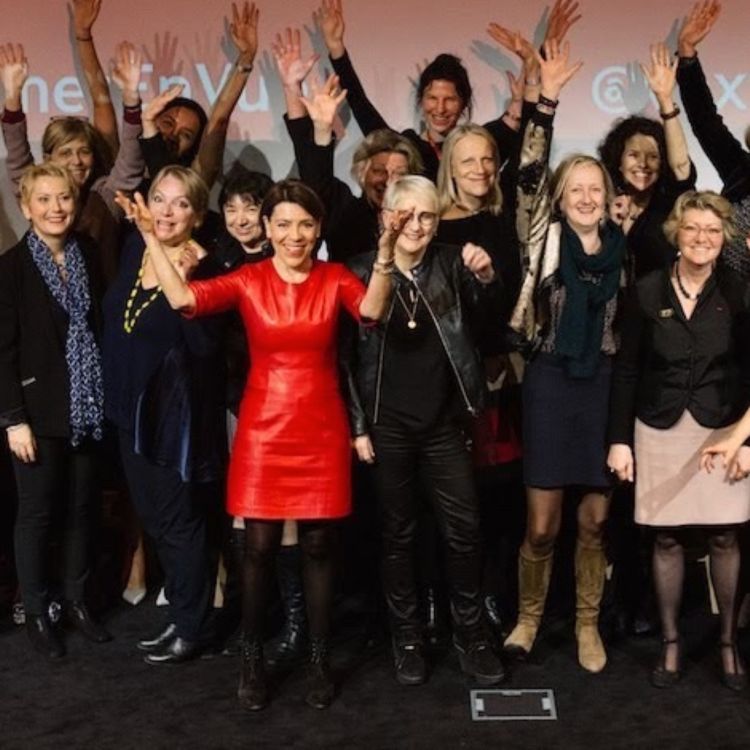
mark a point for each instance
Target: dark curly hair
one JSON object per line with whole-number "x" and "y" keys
{"x": 248, "y": 184}
{"x": 613, "y": 146}
{"x": 447, "y": 67}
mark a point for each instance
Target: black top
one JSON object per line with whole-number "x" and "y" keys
{"x": 667, "y": 363}
{"x": 351, "y": 223}
{"x": 164, "y": 382}
{"x": 369, "y": 119}
{"x": 34, "y": 381}
{"x": 418, "y": 387}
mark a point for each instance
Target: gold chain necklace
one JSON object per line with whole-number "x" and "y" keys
{"x": 131, "y": 316}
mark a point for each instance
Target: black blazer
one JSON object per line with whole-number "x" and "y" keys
{"x": 34, "y": 384}
{"x": 667, "y": 364}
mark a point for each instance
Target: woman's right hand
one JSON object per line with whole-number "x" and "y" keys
{"x": 14, "y": 70}
{"x": 126, "y": 72}
{"x": 363, "y": 446}
{"x": 728, "y": 448}
{"x": 620, "y": 462}
{"x": 159, "y": 103}
{"x": 22, "y": 443}
{"x": 324, "y": 102}
{"x": 329, "y": 18}
{"x": 137, "y": 211}
{"x": 697, "y": 25}
{"x": 555, "y": 68}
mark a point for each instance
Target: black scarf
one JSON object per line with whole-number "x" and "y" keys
{"x": 590, "y": 281}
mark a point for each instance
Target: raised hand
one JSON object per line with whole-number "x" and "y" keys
{"x": 555, "y": 68}
{"x": 563, "y": 15}
{"x": 244, "y": 30}
{"x": 394, "y": 221}
{"x": 287, "y": 51}
{"x": 137, "y": 211}
{"x": 85, "y": 13}
{"x": 329, "y": 18}
{"x": 160, "y": 102}
{"x": 14, "y": 70}
{"x": 514, "y": 42}
{"x": 324, "y": 101}
{"x": 477, "y": 260}
{"x": 126, "y": 72}
{"x": 696, "y": 26}
{"x": 661, "y": 75}
{"x": 164, "y": 57}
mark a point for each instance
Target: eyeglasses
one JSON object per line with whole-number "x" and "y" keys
{"x": 693, "y": 230}
{"x": 426, "y": 219}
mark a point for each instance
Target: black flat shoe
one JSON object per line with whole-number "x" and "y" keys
{"x": 162, "y": 638}
{"x": 661, "y": 677}
{"x": 177, "y": 651}
{"x": 43, "y": 636}
{"x": 736, "y": 680}
{"x": 80, "y": 618}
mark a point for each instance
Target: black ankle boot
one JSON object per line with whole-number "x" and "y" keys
{"x": 252, "y": 692}
{"x": 320, "y": 686}
{"x": 43, "y": 636}
{"x": 80, "y": 618}
{"x": 290, "y": 644}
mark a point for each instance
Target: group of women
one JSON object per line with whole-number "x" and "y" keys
{"x": 606, "y": 275}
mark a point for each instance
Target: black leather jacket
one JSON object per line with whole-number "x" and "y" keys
{"x": 455, "y": 300}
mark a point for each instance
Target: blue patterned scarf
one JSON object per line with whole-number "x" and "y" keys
{"x": 81, "y": 351}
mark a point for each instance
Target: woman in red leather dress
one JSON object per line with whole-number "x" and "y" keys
{"x": 291, "y": 457}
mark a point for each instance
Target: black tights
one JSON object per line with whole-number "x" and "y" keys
{"x": 669, "y": 573}
{"x": 262, "y": 542}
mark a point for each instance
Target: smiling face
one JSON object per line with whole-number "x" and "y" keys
{"x": 293, "y": 234}
{"x": 474, "y": 169}
{"x": 179, "y": 127}
{"x": 640, "y": 163}
{"x": 77, "y": 157}
{"x": 441, "y": 108}
{"x": 700, "y": 237}
{"x": 421, "y": 227}
{"x": 382, "y": 169}
{"x": 50, "y": 208}
{"x": 584, "y": 197}
{"x": 242, "y": 220}
{"x": 174, "y": 215}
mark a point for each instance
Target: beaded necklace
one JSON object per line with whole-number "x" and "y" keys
{"x": 131, "y": 316}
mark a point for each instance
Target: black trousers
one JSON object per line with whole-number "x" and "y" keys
{"x": 55, "y": 498}
{"x": 171, "y": 514}
{"x": 439, "y": 461}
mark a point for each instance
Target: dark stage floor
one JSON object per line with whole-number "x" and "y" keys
{"x": 104, "y": 697}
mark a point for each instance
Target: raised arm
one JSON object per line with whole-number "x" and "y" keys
{"x": 14, "y": 70}
{"x": 85, "y": 13}
{"x": 330, "y": 20}
{"x": 244, "y": 32}
{"x": 155, "y": 151}
{"x": 726, "y": 153}
{"x": 293, "y": 69}
{"x": 661, "y": 75}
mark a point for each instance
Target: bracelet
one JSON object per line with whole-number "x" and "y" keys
{"x": 383, "y": 267}
{"x": 244, "y": 68}
{"x": 533, "y": 81}
{"x": 670, "y": 115}
{"x": 545, "y": 110}
{"x": 551, "y": 103}
{"x": 88, "y": 38}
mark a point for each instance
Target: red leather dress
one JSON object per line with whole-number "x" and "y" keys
{"x": 291, "y": 457}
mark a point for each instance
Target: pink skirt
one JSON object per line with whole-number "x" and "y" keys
{"x": 670, "y": 487}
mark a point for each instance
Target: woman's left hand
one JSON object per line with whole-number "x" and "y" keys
{"x": 478, "y": 261}
{"x": 244, "y": 30}
{"x": 661, "y": 75}
{"x": 126, "y": 72}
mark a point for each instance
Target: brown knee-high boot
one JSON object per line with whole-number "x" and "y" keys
{"x": 533, "y": 582}
{"x": 591, "y": 565}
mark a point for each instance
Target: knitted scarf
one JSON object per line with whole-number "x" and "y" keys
{"x": 590, "y": 281}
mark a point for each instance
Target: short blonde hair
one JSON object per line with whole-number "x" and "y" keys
{"x": 446, "y": 185}
{"x": 562, "y": 175}
{"x": 46, "y": 169}
{"x": 195, "y": 188}
{"x": 410, "y": 185}
{"x": 379, "y": 142}
{"x": 703, "y": 200}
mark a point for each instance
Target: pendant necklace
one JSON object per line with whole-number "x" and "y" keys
{"x": 411, "y": 313}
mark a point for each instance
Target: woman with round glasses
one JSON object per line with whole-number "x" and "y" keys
{"x": 681, "y": 377}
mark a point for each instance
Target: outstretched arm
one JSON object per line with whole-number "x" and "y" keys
{"x": 85, "y": 13}
{"x": 14, "y": 70}
{"x": 244, "y": 31}
{"x": 287, "y": 51}
{"x": 661, "y": 75}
